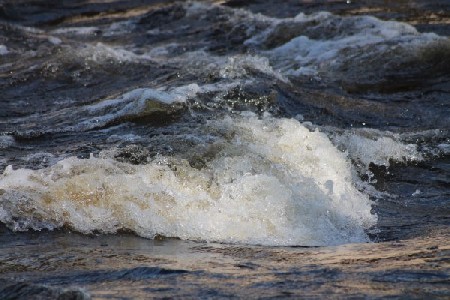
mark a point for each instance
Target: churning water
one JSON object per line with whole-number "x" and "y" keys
{"x": 211, "y": 123}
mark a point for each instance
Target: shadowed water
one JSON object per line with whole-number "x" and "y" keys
{"x": 126, "y": 266}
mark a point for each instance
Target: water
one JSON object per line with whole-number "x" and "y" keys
{"x": 206, "y": 150}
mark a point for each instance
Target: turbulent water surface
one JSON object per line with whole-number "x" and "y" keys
{"x": 224, "y": 148}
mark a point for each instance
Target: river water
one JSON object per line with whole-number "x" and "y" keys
{"x": 224, "y": 148}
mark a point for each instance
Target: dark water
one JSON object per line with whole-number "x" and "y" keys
{"x": 234, "y": 138}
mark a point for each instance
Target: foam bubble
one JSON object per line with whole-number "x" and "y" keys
{"x": 269, "y": 181}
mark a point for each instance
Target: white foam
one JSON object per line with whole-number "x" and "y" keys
{"x": 101, "y": 53}
{"x": 136, "y": 101}
{"x": 131, "y": 103}
{"x": 54, "y": 40}
{"x": 6, "y": 141}
{"x": 131, "y": 138}
{"x": 272, "y": 182}
{"x": 119, "y": 28}
{"x": 3, "y": 50}
{"x": 162, "y": 52}
{"x": 444, "y": 148}
{"x": 303, "y": 55}
{"x": 240, "y": 66}
{"x": 41, "y": 159}
{"x": 373, "y": 146}
{"x": 87, "y": 30}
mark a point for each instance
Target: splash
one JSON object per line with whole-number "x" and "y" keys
{"x": 265, "y": 181}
